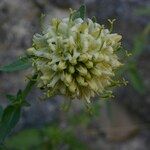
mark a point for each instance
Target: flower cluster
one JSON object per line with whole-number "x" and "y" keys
{"x": 76, "y": 58}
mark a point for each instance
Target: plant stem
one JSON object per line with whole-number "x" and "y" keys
{"x": 29, "y": 86}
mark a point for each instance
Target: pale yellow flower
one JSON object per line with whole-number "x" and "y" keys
{"x": 76, "y": 58}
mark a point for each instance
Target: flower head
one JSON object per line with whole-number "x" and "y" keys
{"x": 76, "y": 58}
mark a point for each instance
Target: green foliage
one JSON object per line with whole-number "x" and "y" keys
{"x": 52, "y": 137}
{"x": 143, "y": 11}
{"x": 1, "y": 112}
{"x": 9, "y": 119}
{"x": 24, "y": 140}
{"x": 135, "y": 79}
{"x": 18, "y": 99}
{"x": 11, "y": 113}
{"x": 80, "y": 13}
{"x": 59, "y": 137}
{"x": 20, "y": 64}
{"x": 11, "y": 98}
{"x": 139, "y": 44}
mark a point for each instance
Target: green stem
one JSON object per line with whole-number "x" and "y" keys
{"x": 29, "y": 86}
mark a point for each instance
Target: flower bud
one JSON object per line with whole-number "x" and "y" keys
{"x": 54, "y": 67}
{"x": 62, "y": 65}
{"x": 73, "y": 61}
{"x": 31, "y": 51}
{"x": 89, "y": 64}
{"x": 96, "y": 71}
{"x": 83, "y": 57}
{"x": 81, "y": 81}
{"x": 83, "y": 27}
{"x": 55, "y": 22}
{"x": 82, "y": 70}
{"x": 71, "y": 69}
{"x": 88, "y": 76}
{"x": 45, "y": 79}
{"x": 72, "y": 87}
{"x": 53, "y": 81}
{"x": 93, "y": 85}
{"x": 66, "y": 78}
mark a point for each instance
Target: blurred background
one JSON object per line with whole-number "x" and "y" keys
{"x": 122, "y": 123}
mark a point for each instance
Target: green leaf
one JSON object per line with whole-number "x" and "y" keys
{"x": 20, "y": 64}
{"x": 24, "y": 140}
{"x": 9, "y": 119}
{"x": 80, "y": 13}
{"x": 140, "y": 41}
{"x": 138, "y": 45}
{"x": 35, "y": 138}
{"x": 75, "y": 15}
{"x": 11, "y": 114}
{"x": 1, "y": 112}
{"x": 18, "y": 100}
{"x": 15, "y": 99}
{"x": 20, "y": 97}
{"x": 136, "y": 79}
{"x": 11, "y": 98}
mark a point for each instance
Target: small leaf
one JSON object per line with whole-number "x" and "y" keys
{"x": 20, "y": 64}
{"x": 20, "y": 96}
{"x": 75, "y": 15}
{"x": 136, "y": 79}
{"x": 80, "y": 13}
{"x": 11, "y": 98}
{"x": 9, "y": 119}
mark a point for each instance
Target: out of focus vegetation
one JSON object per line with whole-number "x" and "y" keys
{"x": 51, "y": 137}
{"x": 139, "y": 44}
